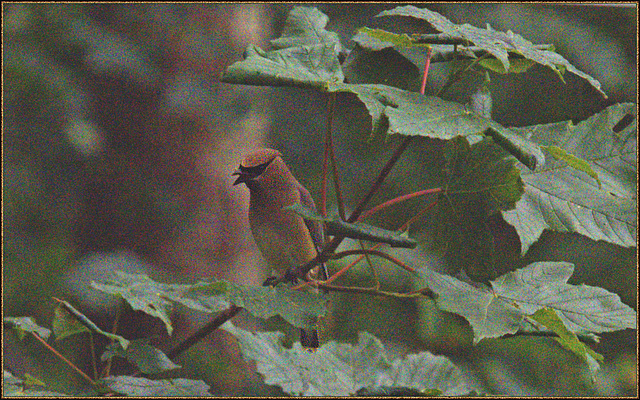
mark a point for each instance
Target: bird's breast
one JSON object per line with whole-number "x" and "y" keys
{"x": 281, "y": 235}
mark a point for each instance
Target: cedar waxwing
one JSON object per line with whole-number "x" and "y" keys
{"x": 284, "y": 238}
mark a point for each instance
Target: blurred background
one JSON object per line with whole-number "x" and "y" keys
{"x": 119, "y": 141}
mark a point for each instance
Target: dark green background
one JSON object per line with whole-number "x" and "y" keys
{"x": 119, "y": 141}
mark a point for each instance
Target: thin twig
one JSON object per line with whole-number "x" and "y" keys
{"x": 455, "y": 77}
{"x": 330, "y": 247}
{"x": 370, "y": 265}
{"x": 394, "y": 158}
{"x": 94, "y": 361}
{"x": 397, "y": 200}
{"x": 348, "y": 267}
{"x": 376, "y": 246}
{"x": 334, "y": 164}
{"x": 426, "y": 70}
{"x": 63, "y": 358}
{"x": 417, "y": 216}
{"x": 378, "y": 253}
{"x": 205, "y": 330}
{"x": 383, "y": 175}
{"x": 107, "y": 369}
{"x": 443, "y": 38}
{"x": 371, "y": 291}
{"x": 325, "y": 163}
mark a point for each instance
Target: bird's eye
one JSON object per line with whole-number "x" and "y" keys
{"x": 256, "y": 170}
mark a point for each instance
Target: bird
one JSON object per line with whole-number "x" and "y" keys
{"x": 285, "y": 239}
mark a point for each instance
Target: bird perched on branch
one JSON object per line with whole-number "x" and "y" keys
{"x": 284, "y": 238}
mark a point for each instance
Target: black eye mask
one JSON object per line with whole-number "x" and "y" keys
{"x": 247, "y": 174}
{"x": 254, "y": 171}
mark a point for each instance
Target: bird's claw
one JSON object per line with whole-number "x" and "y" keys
{"x": 271, "y": 281}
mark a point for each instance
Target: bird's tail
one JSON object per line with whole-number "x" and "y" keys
{"x": 309, "y": 337}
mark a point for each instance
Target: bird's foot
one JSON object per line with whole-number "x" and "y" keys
{"x": 271, "y": 281}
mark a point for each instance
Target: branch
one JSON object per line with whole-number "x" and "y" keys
{"x": 330, "y": 247}
{"x": 107, "y": 370}
{"x": 397, "y": 200}
{"x": 403, "y": 146}
{"x": 453, "y": 78}
{"x": 446, "y": 56}
{"x": 63, "y": 358}
{"x": 325, "y": 169}
{"x": 348, "y": 267}
{"x": 375, "y": 292}
{"x": 438, "y": 38}
{"x": 378, "y": 253}
{"x": 205, "y": 330}
{"x": 334, "y": 165}
{"x": 427, "y": 64}
{"x": 383, "y": 175}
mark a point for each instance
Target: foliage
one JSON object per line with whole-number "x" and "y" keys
{"x": 503, "y": 308}
{"x": 337, "y": 369}
{"x": 142, "y": 387}
{"x": 14, "y": 386}
{"x": 563, "y": 177}
{"x": 560, "y": 197}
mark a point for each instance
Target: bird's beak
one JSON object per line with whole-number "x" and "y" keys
{"x": 243, "y": 177}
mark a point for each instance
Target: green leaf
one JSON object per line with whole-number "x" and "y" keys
{"x": 582, "y": 308}
{"x": 16, "y": 387}
{"x": 396, "y": 111}
{"x": 561, "y": 198}
{"x": 499, "y": 310}
{"x": 208, "y": 297}
{"x": 568, "y": 339}
{"x": 66, "y": 324}
{"x": 306, "y": 55}
{"x": 66, "y": 307}
{"x": 481, "y": 180}
{"x": 573, "y": 161}
{"x": 403, "y": 40}
{"x": 9, "y": 379}
{"x": 413, "y": 114}
{"x": 337, "y": 369}
{"x": 142, "y": 387}
{"x": 416, "y": 55}
{"x": 305, "y": 26}
{"x": 386, "y": 67}
{"x": 142, "y": 294}
{"x": 23, "y": 325}
{"x": 300, "y": 308}
{"x": 517, "y": 65}
{"x": 30, "y": 380}
{"x": 304, "y": 66}
{"x": 398, "y": 391}
{"x": 148, "y": 359}
{"x": 499, "y": 44}
{"x": 338, "y": 227}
